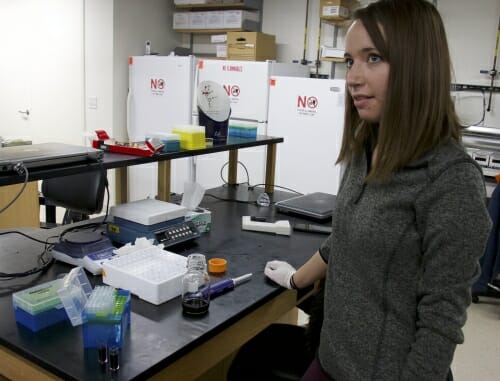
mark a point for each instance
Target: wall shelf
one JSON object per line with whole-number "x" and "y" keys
{"x": 208, "y": 31}
{"x": 335, "y": 21}
{"x": 248, "y": 5}
{"x": 247, "y": 23}
{"x": 467, "y": 87}
{"x": 332, "y": 59}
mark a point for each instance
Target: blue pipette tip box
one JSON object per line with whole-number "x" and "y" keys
{"x": 39, "y": 307}
{"x": 243, "y": 131}
{"x": 110, "y": 326}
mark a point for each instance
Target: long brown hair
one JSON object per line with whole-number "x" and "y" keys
{"x": 418, "y": 113}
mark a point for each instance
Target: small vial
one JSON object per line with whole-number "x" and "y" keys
{"x": 147, "y": 50}
{"x": 196, "y": 286}
{"x": 114, "y": 358}
{"x": 102, "y": 354}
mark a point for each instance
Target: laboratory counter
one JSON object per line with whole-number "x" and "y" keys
{"x": 161, "y": 343}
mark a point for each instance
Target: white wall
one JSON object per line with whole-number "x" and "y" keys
{"x": 471, "y": 29}
{"x": 116, "y": 30}
{"x": 136, "y": 22}
{"x": 99, "y": 65}
{"x": 41, "y": 69}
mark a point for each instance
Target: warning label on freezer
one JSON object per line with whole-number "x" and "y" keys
{"x": 307, "y": 105}
{"x": 237, "y": 68}
{"x": 157, "y": 86}
{"x": 233, "y": 92}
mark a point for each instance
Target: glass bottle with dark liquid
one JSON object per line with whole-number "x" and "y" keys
{"x": 196, "y": 286}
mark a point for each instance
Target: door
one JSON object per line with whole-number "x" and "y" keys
{"x": 41, "y": 70}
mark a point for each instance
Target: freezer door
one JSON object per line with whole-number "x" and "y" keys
{"x": 309, "y": 114}
{"x": 160, "y": 94}
{"x": 160, "y": 97}
{"x": 245, "y": 82}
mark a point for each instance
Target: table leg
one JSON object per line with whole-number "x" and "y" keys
{"x": 232, "y": 176}
{"x": 270, "y": 168}
{"x": 164, "y": 180}
{"x": 121, "y": 183}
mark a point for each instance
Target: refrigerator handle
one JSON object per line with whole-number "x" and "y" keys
{"x": 194, "y": 104}
{"x": 130, "y": 102}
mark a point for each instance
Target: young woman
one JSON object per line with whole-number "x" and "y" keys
{"x": 410, "y": 221}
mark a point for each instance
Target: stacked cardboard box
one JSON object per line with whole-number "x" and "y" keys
{"x": 337, "y": 10}
{"x": 229, "y": 19}
{"x": 251, "y": 46}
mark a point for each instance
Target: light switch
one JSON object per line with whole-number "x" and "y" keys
{"x": 92, "y": 103}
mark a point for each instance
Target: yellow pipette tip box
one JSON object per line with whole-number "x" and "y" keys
{"x": 192, "y": 137}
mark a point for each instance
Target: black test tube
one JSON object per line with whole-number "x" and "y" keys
{"x": 102, "y": 353}
{"x": 114, "y": 358}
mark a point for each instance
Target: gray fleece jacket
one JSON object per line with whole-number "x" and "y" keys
{"x": 401, "y": 261}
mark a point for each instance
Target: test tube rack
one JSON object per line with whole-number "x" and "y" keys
{"x": 153, "y": 274}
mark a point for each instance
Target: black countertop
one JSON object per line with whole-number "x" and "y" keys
{"x": 158, "y": 335}
{"x": 114, "y": 160}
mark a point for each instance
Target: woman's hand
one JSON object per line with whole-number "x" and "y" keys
{"x": 280, "y": 272}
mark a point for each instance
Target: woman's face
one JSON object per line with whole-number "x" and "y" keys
{"x": 367, "y": 73}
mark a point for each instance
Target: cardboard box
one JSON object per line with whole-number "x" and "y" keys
{"x": 329, "y": 52}
{"x": 197, "y": 20}
{"x": 251, "y": 46}
{"x": 218, "y": 38}
{"x": 334, "y": 12}
{"x": 337, "y": 9}
{"x": 214, "y": 19}
{"x": 238, "y": 19}
{"x": 221, "y": 51}
{"x": 350, "y": 4}
{"x": 181, "y": 20}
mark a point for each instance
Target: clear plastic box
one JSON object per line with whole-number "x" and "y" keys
{"x": 74, "y": 293}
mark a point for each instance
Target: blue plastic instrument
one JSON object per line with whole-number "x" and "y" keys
{"x": 223, "y": 286}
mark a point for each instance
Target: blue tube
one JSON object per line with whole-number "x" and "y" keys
{"x": 221, "y": 287}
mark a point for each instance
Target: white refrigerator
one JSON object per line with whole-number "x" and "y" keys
{"x": 160, "y": 96}
{"x": 247, "y": 86}
{"x": 309, "y": 114}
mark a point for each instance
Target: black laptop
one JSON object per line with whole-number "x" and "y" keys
{"x": 315, "y": 205}
{"x": 46, "y": 154}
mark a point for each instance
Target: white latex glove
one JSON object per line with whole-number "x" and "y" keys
{"x": 280, "y": 272}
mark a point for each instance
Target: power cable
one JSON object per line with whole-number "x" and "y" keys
{"x": 20, "y": 169}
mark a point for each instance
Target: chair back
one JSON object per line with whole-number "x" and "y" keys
{"x": 82, "y": 192}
